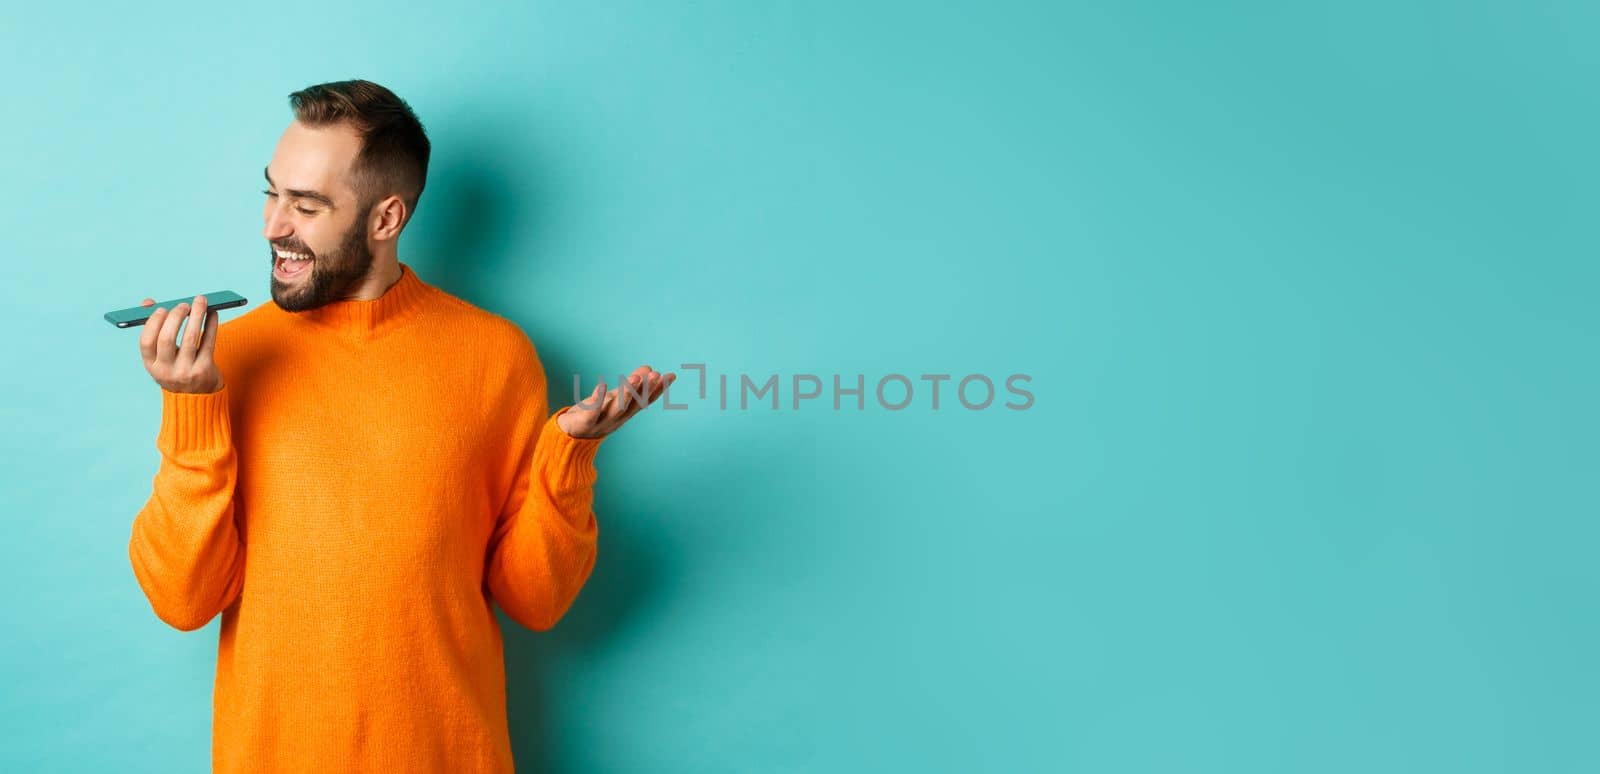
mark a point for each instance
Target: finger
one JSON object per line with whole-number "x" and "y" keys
{"x": 166, "y": 345}
{"x": 652, "y": 382}
{"x": 147, "y": 301}
{"x": 208, "y": 345}
{"x": 663, "y": 380}
{"x": 607, "y": 416}
{"x": 621, "y": 395}
{"x": 648, "y": 383}
{"x": 640, "y": 381}
{"x": 640, "y": 397}
{"x": 150, "y": 334}
{"x": 608, "y": 409}
{"x": 626, "y": 392}
{"x": 191, "y": 333}
{"x": 595, "y": 399}
{"x": 606, "y": 396}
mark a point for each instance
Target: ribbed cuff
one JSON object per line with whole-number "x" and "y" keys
{"x": 194, "y": 421}
{"x": 569, "y": 460}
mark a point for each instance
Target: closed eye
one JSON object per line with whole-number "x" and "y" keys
{"x": 301, "y": 209}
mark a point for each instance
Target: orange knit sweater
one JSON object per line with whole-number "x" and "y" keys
{"x": 370, "y": 477}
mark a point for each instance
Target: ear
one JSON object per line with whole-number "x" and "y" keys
{"x": 388, "y": 216}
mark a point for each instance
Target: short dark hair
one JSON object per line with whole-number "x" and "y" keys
{"x": 394, "y": 146}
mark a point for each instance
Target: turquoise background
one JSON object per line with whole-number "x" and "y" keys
{"x": 1305, "y": 292}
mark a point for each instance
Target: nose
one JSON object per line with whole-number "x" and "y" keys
{"x": 276, "y": 226}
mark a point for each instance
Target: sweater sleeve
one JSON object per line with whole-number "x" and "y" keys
{"x": 544, "y": 542}
{"x": 186, "y": 550}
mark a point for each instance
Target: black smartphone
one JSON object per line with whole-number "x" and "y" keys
{"x": 139, "y": 315}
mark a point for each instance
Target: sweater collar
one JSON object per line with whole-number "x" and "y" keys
{"x": 372, "y": 317}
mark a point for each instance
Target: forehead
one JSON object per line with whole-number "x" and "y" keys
{"x": 315, "y": 158}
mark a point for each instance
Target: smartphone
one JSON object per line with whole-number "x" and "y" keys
{"x": 139, "y": 315}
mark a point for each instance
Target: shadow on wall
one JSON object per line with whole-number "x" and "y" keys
{"x": 489, "y": 217}
{"x": 484, "y": 210}
{"x": 631, "y": 575}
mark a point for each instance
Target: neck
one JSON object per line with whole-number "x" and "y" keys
{"x": 383, "y": 304}
{"x": 385, "y": 272}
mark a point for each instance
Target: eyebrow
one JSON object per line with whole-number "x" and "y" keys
{"x": 313, "y": 195}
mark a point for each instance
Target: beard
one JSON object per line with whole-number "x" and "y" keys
{"x": 330, "y": 277}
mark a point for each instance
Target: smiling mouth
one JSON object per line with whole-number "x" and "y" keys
{"x": 288, "y": 267}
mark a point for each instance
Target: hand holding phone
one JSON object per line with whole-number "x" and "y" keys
{"x": 185, "y": 366}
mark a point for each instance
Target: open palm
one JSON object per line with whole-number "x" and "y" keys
{"x": 604, "y": 411}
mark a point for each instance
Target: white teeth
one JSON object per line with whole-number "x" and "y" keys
{"x": 292, "y": 256}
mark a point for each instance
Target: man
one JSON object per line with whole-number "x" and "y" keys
{"x": 353, "y": 473}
